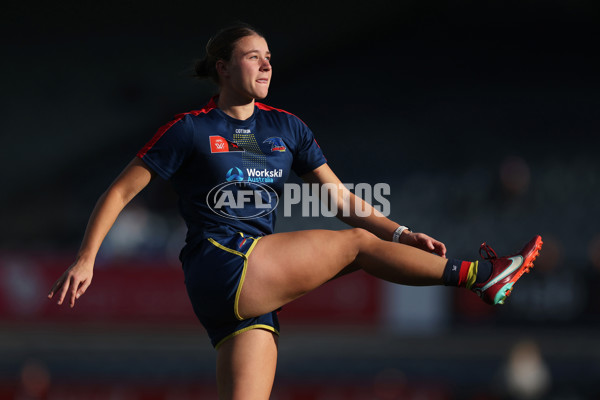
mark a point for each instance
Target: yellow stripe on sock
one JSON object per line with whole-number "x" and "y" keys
{"x": 472, "y": 276}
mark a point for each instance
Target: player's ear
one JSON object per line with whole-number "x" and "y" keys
{"x": 221, "y": 67}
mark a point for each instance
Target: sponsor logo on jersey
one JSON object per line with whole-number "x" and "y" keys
{"x": 263, "y": 175}
{"x": 218, "y": 144}
{"x": 234, "y": 174}
{"x": 276, "y": 144}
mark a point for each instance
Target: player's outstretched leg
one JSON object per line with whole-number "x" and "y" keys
{"x": 284, "y": 266}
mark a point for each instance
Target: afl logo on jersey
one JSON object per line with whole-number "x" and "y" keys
{"x": 276, "y": 144}
{"x": 242, "y": 200}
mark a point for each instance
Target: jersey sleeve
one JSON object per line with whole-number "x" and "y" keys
{"x": 169, "y": 148}
{"x": 308, "y": 154}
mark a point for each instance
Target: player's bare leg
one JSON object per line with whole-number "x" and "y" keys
{"x": 246, "y": 366}
{"x": 284, "y": 266}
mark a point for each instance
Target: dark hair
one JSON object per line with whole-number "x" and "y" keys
{"x": 220, "y": 47}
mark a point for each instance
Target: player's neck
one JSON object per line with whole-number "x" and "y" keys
{"x": 235, "y": 106}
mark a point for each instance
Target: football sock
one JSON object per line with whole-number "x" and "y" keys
{"x": 466, "y": 273}
{"x": 484, "y": 271}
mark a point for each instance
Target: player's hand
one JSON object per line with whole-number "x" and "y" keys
{"x": 73, "y": 282}
{"x": 424, "y": 242}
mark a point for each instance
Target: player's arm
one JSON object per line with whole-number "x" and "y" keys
{"x": 370, "y": 219}
{"x": 76, "y": 279}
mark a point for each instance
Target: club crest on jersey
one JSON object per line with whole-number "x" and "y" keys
{"x": 276, "y": 144}
{"x": 219, "y": 144}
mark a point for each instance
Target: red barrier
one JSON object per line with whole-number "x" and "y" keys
{"x": 351, "y": 299}
{"x": 360, "y": 389}
{"x": 152, "y": 291}
{"x": 146, "y": 291}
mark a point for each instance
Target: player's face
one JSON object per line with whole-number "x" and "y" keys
{"x": 249, "y": 70}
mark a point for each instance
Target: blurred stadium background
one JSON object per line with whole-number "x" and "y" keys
{"x": 482, "y": 116}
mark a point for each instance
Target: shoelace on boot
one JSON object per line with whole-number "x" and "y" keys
{"x": 490, "y": 253}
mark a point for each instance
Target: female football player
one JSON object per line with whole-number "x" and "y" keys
{"x": 237, "y": 271}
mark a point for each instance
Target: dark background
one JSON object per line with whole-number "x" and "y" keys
{"x": 482, "y": 116}
{"x": 409, "y": 87}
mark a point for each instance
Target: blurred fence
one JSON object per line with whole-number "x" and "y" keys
{"x": 134, "y": 336}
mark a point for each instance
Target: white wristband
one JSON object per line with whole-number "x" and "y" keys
{"x": 398, "y": 232}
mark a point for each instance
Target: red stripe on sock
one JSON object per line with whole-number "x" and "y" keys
{"x": 464, "y": 273}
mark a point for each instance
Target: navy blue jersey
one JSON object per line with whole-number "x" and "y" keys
{"x": 228, "y": 173}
